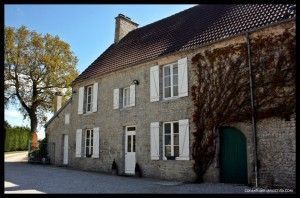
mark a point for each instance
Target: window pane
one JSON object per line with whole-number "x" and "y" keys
{"x": 91, "y": 151}
{"x": 87, "y": 151}
{"x": 133, "y": 142}
{"x": 167, "y": 92}
{"x": 175, "y": 125}
{"x": 126, "y": 96}
{"x": 176, "y": 139}
{"x": 167, "y": 139}
{"x": 175, "y": 79}
{"x": 176, "y": 151}
{"x": 89, "y": 107}
{"x": 167, "y": 151}
{"x": 131, "y": 129}
{"x": 167, "y": 128}
{"x": 128, "y": 143}
{"x": 167, "y": 71}
{"x": 175, "y": 69}
{"x": 87, "y": 142}
{"x": 89, "y": 90}
{"x": 88, "y": 133}
{"x": 167, "y": 81}
{"x": 175, "y": 91}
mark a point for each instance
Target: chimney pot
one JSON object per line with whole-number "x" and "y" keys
{"x": 123, "y": 26}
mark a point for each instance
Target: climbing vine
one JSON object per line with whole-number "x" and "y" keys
{"x": 221, "y": 94}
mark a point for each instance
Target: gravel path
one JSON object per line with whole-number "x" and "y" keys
{"x": 16, "y": 156}
{"x": 33, "y": 178}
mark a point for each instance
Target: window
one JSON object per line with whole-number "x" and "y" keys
{"x": 171, "y": 140}
{"x": 126, "y": 97}
{"x": 67, "y": 118}
{"x": 88, "y": 98}
{"x": 89, "y": 142}
{"x": 170, "y": 80}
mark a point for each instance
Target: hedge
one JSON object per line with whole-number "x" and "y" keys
{"x": 17, "y": 139}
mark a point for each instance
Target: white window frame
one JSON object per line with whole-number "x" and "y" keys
{"x": 127, "y": 104}
{"x": 172, "y": 139}
{"x": 91, "y": 142}
{"x": 87, "y": 96}
{"x": 171, "y": 65}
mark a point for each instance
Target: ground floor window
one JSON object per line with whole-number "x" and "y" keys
{"x": 89, "y": 142}
{"x": 171, "y": 140}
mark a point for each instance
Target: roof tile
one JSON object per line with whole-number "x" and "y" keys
{"x": 185, "y": 30}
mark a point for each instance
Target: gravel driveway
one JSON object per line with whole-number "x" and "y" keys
{"x": 21, "y": 177}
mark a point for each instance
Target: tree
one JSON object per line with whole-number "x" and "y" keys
{"x": 221, "y": 94}
{"x": 35, "y": 67}
{"x": 6, "y": 124}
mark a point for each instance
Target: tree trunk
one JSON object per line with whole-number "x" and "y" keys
{"x": 33, "y": 129}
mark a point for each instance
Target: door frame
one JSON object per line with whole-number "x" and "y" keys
{"x": 125, "y": 147}
{"x": 65, "y": 149}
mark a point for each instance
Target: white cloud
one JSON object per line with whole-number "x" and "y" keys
{"x": 13, "y": 113}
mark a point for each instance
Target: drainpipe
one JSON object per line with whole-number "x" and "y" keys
{"x": 252, "y": 110}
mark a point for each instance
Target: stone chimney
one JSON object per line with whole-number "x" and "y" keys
{"x": 123, "y": 26}
{"x": 58, "y": 101}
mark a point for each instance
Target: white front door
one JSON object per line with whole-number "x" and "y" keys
{"x": 130, "y": 150}
{"x": 65, "y": 159}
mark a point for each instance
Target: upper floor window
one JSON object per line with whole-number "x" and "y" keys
{"x": 126, "y": 97}
{"x": 170, "y": 80}
{"x": 88, "y": 98}
{"x": 89, "y": 142}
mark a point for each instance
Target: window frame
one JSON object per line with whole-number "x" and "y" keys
{"x": 86, "y": 99}
{"x": 91, "y": 137}
{"x": 172, "y": 140}
{"x": 124, "y": 98}
{"x": 171, "y": 65}
{"x": 133, "y": 143}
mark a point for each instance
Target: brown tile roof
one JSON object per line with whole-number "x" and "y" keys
{"x": 185, "y": 30}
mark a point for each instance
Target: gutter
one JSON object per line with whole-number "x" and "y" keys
{"x": 253, "y": 110}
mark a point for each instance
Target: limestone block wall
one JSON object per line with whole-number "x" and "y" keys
{"x": 111, "y": 122}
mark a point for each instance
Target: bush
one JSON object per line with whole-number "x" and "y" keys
{"x": 41, "y": 152}
{"x": 17, "y": 139}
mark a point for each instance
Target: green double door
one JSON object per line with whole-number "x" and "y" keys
{"x": 233, "y": 156}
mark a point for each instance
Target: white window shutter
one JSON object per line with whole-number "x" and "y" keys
{"x": 154, "y": 138}
{"x": 80, "y": 100}
{"x": 67, "y": 118}
{"x": 78, "y": 142}
{"x": 116, "y": 98}
{"x": 154, "y": 83}
{"x": 95, "y": 96}
{"x": 132, "y": 95}
{"x": 184, "y": 145}
{"x": 95, "y": 143}
{"x": 182, "y": 77}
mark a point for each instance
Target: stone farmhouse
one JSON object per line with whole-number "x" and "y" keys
{"x": 133, "y": 104}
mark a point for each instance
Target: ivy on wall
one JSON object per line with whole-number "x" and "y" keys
{"x": 221, "y": 94}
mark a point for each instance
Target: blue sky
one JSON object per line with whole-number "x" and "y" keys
{"x": 89, "y": 29}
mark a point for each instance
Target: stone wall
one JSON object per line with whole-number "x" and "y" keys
{"x": 55, "y": 131}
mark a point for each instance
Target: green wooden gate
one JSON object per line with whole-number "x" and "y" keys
{"x": 233, "y": 156}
